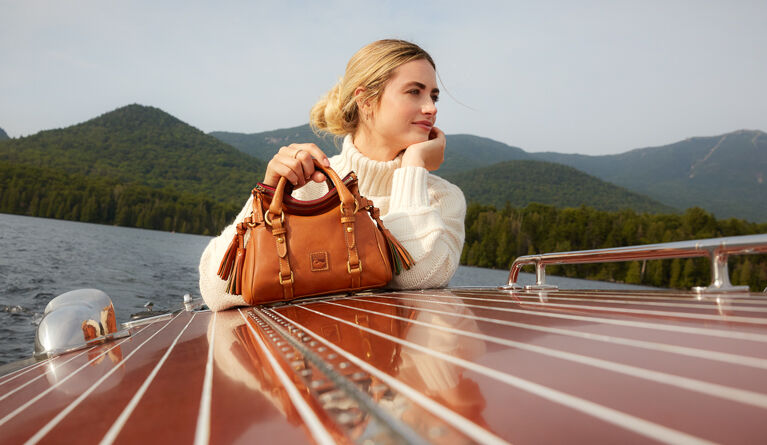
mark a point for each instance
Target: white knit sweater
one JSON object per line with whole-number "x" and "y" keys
{"x": 424, "y": 212}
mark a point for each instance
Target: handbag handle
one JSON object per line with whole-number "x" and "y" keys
{"x": 348, "y": 203}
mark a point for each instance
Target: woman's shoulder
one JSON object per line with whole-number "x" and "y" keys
{"x": 438, "y": 183}
{"x": 448, "y": 196}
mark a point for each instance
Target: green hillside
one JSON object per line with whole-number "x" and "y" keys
{"x": 142, "y": 145}
{"x": 3, "y": 135}
{"x": 136, "y": 166}
{"x": 522, "y": 182}
{"x": 264, "y": 145}
{"x": 724, "y": 174}
{"x": 50, "y": 193}
{"x": 463, "y": 151}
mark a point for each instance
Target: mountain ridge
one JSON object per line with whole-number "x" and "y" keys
{"x": 142, "y": 144}
{"x": 724, "y": 173}
{"x": 521, "y": 182}
{"x": 717, "y": 173}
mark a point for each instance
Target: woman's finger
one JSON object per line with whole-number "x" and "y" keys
{"x": 306, "y": 164}
{"x": 276, "y": 170}
{"x": 314, "y": 151}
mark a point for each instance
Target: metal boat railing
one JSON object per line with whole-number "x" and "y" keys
{"x": 716, "y": 249}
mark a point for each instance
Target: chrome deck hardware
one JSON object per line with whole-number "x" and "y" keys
{"x": 716, "y": 249}
{"x": 74, "y": 320}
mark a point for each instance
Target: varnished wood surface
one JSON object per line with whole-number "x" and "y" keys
{"x": 442, "y": 366}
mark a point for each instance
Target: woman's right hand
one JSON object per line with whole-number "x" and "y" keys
{"x": 294, "y": 162}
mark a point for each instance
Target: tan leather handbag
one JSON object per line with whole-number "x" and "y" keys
{"x": 288, "y": 249}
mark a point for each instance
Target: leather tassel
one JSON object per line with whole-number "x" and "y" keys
{"x": 225, "y": 268}
{"x": 233, "y": 262}
{"x": 235, "y": 288}
{"x": 401, "y": 258}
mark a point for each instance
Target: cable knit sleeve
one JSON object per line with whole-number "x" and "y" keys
{"x": 213, "y": 288}
{"x": 426, "y": 214}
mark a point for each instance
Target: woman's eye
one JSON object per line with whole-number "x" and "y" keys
{"x": 435, "y": 99}
{"x": 415, "y": 92}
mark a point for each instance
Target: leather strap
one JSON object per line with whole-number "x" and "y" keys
{"x": 276, "y": 220}
{"x": 285, "y": 276}
{"x": 353, "y": 264}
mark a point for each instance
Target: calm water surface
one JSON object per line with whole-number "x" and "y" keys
{"x": 42, "y": 258}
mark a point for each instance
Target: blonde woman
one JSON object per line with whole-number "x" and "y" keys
{"x": 385, "y": 108}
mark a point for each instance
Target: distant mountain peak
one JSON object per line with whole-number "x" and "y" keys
{"x": 3, "y": 135}
{"x": 134, "y": 116}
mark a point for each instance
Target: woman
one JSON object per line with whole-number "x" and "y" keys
{"x": 385, "y": 107}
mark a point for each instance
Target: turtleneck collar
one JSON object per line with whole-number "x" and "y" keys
{"x": 375, "y": 177}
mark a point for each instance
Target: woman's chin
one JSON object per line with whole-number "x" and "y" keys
{"x": 417, "y": 139}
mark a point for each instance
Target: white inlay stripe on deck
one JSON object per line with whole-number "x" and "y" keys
{"x": 24, "y": 385}
{"x": 65, "y": 412}
{"x": 634, "y": 296}
{"x": 319, "y": 433}
{"x": 621, "y": 419}
{"x": 711, "y": 306}
{"x": 110, "y": 436}
{"x": 711, "y": 389}
{"x": 725, "y": 357}
{"x": 461, "y": 423}
{"x": 738, "y": 318}
{"x": 612, "y": 321}
{"x": 26, "y": 405}
{"x": 19, "y": 372}
{"x": 202, "y": 431}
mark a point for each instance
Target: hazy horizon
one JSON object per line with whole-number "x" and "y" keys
{"x": 595, "y": 77}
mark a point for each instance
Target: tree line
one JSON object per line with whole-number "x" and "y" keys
{"x": 495, "y": 237}
{"x": 43, "y": 192}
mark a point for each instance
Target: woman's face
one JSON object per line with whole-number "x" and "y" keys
{"x": 406, "y": 111}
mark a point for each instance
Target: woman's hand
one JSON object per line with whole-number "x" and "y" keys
{"x": 429, "y": 154}
{"x": 294, "y": 162}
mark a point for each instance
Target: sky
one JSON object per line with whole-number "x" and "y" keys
{"x": 590, "y": 77}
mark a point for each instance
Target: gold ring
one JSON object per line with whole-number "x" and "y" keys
{"x": 295, "y": 155}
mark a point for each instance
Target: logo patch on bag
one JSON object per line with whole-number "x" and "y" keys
{"x": 319, "y": 261}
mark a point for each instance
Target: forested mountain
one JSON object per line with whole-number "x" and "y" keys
{"x": 463, "y": 151}
{"x": 522, "y": 182}
{"x": 3, "y": 135}
{"x": 724, "y": 174}
{"x": 143, "y": 145}
{"x": 135, "y": 166}
{"x": 50, "y": 193}
{"x": 139, "y": 166}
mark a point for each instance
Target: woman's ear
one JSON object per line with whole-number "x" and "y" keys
{"x": 361, "y": 105}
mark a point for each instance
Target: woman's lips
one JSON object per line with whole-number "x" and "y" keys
{"x": 426, "y": 125}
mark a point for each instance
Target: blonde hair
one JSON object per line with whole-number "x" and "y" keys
{"x": 371, "y": 68}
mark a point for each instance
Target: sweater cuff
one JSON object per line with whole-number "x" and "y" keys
{"x": 409, "y": 188}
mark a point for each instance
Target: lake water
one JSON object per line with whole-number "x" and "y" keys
{"x": 41, "y": 258}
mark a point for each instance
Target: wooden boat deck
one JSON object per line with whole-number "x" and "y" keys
{"x": 474, "y": 365}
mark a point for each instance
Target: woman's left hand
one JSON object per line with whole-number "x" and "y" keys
{"x": 429, "y": 154}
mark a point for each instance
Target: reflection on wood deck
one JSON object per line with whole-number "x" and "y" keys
{"x": 437, "y": 366}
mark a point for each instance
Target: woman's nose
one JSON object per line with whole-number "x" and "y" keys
{"x": 429, "y": 107}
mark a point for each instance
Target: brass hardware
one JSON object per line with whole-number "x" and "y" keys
{"x": 356, "y": 207}
{"x": 349, "y": 229}
{"x": 349, "y": 267}
{"x": 280, "y": 240}
{"x": 269, "y": 222}
{"x": 282, "y": 283}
